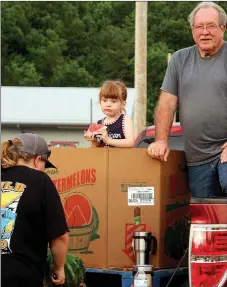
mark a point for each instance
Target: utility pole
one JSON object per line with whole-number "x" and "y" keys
{"x": 140, "y": 108}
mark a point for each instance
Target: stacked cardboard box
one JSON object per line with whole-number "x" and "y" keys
{"x": 108, "y": 194}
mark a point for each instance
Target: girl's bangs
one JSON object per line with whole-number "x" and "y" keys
{"x": 111, "y": 92}
{"x": 110, "y": 96}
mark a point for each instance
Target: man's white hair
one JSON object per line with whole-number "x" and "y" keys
{"x": 221, "y": 12}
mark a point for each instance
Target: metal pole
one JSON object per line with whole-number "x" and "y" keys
{"x": 140, "y": 109}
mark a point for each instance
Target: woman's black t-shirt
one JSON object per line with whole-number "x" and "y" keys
{"x": 31, "y": 216}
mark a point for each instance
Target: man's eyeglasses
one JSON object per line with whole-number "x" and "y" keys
{"x": 209, "y": 27}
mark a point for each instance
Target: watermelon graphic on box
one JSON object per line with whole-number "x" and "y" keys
{"x": 82, "y": 220}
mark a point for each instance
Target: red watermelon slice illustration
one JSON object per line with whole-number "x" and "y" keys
{"x": 78, "y": 210}
{"x": 95, "y": 127}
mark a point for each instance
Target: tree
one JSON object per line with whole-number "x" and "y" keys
{"x": 85, "y": 43}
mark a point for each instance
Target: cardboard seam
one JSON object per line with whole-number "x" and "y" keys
{"x": 107, "y": 205}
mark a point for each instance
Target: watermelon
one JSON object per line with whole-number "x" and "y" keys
{"x": 95, "y": 127}
{"x": 74, "y": 271}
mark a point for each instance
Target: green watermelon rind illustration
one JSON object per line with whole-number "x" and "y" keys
{"x": 95, "y": 236}
{"x": 95, "y": 224}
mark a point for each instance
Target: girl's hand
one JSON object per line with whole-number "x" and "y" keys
{"x": 103, "y": 134}
{"x": 90, "y": 136}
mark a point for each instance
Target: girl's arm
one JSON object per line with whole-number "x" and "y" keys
{"x": 129, "y": 136}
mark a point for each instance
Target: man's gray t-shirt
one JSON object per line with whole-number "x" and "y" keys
{"x": 201, "y": 87}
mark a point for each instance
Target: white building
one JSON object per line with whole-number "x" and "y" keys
{"x": 57, "y": 114}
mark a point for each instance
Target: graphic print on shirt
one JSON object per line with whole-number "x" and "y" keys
{"x": 10, "y": 196}
{"x": 116, "y": 129}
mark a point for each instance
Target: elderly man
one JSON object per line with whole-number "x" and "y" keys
{"x": 196, "y": 79}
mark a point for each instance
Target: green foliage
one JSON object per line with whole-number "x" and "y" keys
{"x": 21, "y": 72}
{"x": 82, "y": 44}
{"x": 156, "y": 66}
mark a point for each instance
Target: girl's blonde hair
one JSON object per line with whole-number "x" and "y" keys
{"x": 113, "y": 90}
{"x": 10, "y": 153}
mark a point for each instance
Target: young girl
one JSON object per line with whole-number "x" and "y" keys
{"x": 118, "y": 127}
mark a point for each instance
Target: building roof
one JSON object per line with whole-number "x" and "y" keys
{"x": 53, "y": 106}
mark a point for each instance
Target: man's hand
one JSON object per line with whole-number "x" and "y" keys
{"x": 159, "y": 150}
{"x": 58, "y": 277}
{"x": 224, "y": 153}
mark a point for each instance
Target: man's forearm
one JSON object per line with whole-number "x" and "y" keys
{"x": 59, "y": 249}
{"x": 163, "y": 123}
{"x": 164, "y": 115}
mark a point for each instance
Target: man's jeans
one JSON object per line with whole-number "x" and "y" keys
{"x": 208, "y": 180}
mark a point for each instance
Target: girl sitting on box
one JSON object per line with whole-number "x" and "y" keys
{"x": 117, "y": 130}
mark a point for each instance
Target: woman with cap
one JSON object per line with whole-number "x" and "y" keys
{"x": 32, "y": 215}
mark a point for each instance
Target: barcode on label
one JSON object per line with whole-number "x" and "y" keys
{"x": 141, "y": 195}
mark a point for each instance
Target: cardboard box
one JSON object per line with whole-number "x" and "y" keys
{"x": 93, "y": 185}
{"x": 81, "y": 180}
{"x": 167, "y": 218}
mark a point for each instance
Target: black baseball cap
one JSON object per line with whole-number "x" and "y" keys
{"x": 36, "y": 145}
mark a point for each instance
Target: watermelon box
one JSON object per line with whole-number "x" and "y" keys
{"x": 81, "y": 180}
{"x": 102, "y": 214}
{"x": 163, "y": 209}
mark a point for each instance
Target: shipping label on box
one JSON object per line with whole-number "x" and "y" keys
{"x": 140, "y": 195}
